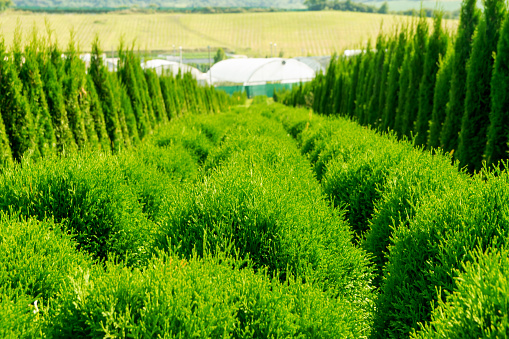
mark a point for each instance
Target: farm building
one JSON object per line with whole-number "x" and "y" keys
{"x": 259, "y": 76}
{"x": 163, "y": 66}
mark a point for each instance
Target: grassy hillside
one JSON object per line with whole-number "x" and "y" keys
{"x": 295, "y": 33}
{"x": 162, "y": 3}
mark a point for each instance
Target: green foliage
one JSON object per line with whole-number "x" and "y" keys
{"x": 393, "y": 89}
{"x": 462, "y": 47}
{"x": 497, "y": 138}
{"x": 440, "y": 98}
{"x": 474, "y": 125}
{"x": 103, "y": 87}
{"x": 478, "y": 307}
{"x": 437, "y": 47}
{"x": 417, "y": 67}
{"x": 404, "y": 85}
{"x": 220, "y": 55}
{"x": 202, "y": 297}
{"x": 15, "y": 110}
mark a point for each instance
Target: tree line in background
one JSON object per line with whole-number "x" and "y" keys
{"x": 50, "y": 103}
{"x": 446, "y": 91}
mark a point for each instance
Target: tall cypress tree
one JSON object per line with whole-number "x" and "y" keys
{"x": 97, "y": 115}
{"x": 129, "y": 116}
{"x": 128, "y": 76}
{"x": 384, "y": 84}
{"x": 415, "y": 76}
{"x": 440, "y": 98}
{"x": 154, "y": 90}
{"x": 352, "y": 93}
{"x": 5, "y": 148}
{"x": 362, "y": 83}
{"x": 56, "y": 106}
{"x": 474, "y": 125}
{"x": 102, "y": 84}
{"x": 497, "y": 147}
{"x": 168, "y": 92}
{"x": 34, "y": 92}
{"x": 436, "y": 48}
{"x": 16, "y": 113}
{"x": 404, "y": 81}
{"x": 391, "y": 104}
{"x": 378, "y": 77}
{"x": 116, "y": 88}
{"x": 72, "y": 81}
{"x": 463, "y": 46}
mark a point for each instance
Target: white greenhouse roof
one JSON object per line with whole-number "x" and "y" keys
{"x": 163, "y": 66}
{"x": 257, "y": 71}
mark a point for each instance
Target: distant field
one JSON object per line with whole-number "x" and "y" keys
{"x": 295, "y": 33}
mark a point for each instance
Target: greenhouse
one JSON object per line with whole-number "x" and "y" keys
{"x": 259, "y": 76}
{"x": 164, "y": 66}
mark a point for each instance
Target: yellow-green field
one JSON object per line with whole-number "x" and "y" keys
{"x": 295, "y": 33}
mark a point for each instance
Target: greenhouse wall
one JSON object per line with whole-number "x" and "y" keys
{"x": 255, "y": 90}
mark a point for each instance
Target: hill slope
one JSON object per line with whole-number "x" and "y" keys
{"x": 290, "y": 4}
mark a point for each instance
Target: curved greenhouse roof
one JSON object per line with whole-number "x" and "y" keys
{"x": 163, "y": 66}
{"x": 259, "y": 71}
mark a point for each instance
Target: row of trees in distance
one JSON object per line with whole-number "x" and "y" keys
{"x": 447, "y": 91}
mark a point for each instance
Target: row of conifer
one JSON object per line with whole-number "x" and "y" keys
{"x": 50, "y": 103}
{"x": 444, "y": 90}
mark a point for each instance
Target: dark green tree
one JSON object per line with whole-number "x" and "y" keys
{"x": 16, "y": 113}
{"x": 5, "y": 148}
{"x": 469, "y": 18}
{"x": 497, "y": 147}
{"x": 391, "y": 104}
{"x": 100, "y": 77}
{"x": 154, "y": 90}
{"x": 73, "y": 82}
{"x": 437, "y": 47}
{"x": 378, "y": 77}
{"x": 420, "y": 46}
{"x": 404, "y": 81}
{"x": 220, "y": 55}
{"x": 97, "y": 115}
{"x": 34, "y": 91}
{"x": 440, "y": 98}
{"x": 474, "y": 125}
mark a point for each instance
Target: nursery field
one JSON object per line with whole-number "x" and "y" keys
{"x": 263, "y": 221}
{"x": 295, "y": 33}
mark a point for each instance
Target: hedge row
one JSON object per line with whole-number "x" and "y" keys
{"x": 213, "y": 226}
{"x": 50, "y": 103}
{"x": 435, "y": 89}
{"x": 427, "y": 226}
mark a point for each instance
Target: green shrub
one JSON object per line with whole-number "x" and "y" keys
{"x": 261, "y": 199}
{"x": 424, "y": 256}
{"x": 207, "y": 297}
{"x": 87, "y": 196}
{"x": 479, "y": 306}
{"x": 35, "y": 260}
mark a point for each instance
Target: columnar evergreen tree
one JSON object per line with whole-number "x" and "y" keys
{"x": 367, "y": 88}
{"x": 437, "y": 47}
{"x": 474, "y": 125}
{"x": 97, "y": 115}
{"x": 352, "y": 93}
{"x": 391, "y": 104}
{"x": 404, "y": 81}
{"x": 129, "y": 116}
{"x": 146, "y": 101}
{"x": 497, "y": 147}
{"x": 326, "y": 94}
{"x": 102, "y": 83}
{"x": 362, "y": 83}
{"x": 154, "y": 90}
{"x": 128, "y": 76}
{"x": 5, "y": 148}
{"x": 384, "y": 84}
{"x": 450, "y": 130}
{"x": 116, "y": 89}
{"x": 34, "y": 92}
{"x": 168, "y": 91}
{"x": 441, "y": 98}
{"x": 56, "y": 106}
{"x": 16, "y": 113}
{"x": 73, "y": 81}
{"x": 420, "y": 46}
{"x": 378, "y": 77}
